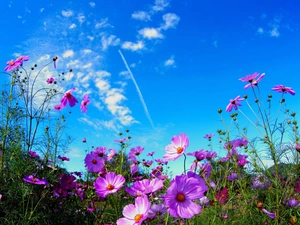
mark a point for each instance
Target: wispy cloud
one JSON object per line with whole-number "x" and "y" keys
{"x": 103, "y": 23}
{"x": 67, "y": 13}
{"x": 170, "y": 62}
{"x": 141, "y": 15}
{"x": 170, "y": 21}
{"x": 72, "y": 26}
{"x": 150, "y": 33}
{"x": 133, "y": 46}
{"x": 109, "y": 40}
{"x": 92, "y": 4}
{"x": 138, "y": 90}
{"x": 160, "y": 5}
{"x": 68, "y": 53}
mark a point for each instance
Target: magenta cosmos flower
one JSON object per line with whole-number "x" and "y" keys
{"x": 12, "y": 64}
{"x": 50, "y": 80}
{"x": 22, "y": 58}
{"x": 93, "y": 163}
{"x": 177, "y": 147}
{"x": 234, "y": 103}
{"x": 252, "y": 79}
{"x": 283, "y": 89}
{"x": 180, "y": 195}
{"x": 33, "y": 180}
{"x": 84, "y": 103}
{"x": 69, "y": 98}
{"x": 108, "y": 185}
{"x": 135, "y": 214}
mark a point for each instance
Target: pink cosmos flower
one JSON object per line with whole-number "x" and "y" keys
{"x": 209, "y": 136}
{"x": 108, "y": 185}
{"x": 234, "y": 103}
{"x": 50, "y": 80}
{"x": 181, "y": 194}
{"x": 283, "y": 89}
{"x": 84, "y": 103}
{"x": 222, "y": 196}
{"x": 33, "y": 180}
{"x": 177, "y": 147}
{"x": 111, "y": 154}
{"x": 33, "y": 154}
{"x": 134, "y": 152}
{"x": 68, "y": 98}
{"x": 93, "y": 162}
{"x": 58, "y": 107}
{"x": 157, "y": 211}
{"x": 135, "y": 214}
{"x": 252, "y": 79}
{"x": 145, "y": 186}
{"x": 122, "y": 140}
{"x": 22, "y": 58}
{"x": 12, "y": 64}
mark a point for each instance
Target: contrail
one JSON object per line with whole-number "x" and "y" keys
{"x": 138, "y": 90}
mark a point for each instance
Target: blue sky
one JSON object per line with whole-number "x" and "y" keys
{"x": 186, "y": 58}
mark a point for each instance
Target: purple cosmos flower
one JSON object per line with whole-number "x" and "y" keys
{"x": 50, "y": 80}
{"x": 234, "y": 103}
{"x": 12, "y": 64}
{"x": 33, "y": 180}
{"x": 260, "y": 181}
{"x": 242, "y": 160}
{"x": 84, "y": 103}
{"x": 233, "y": 176}
{"x": 135, "y": 214}
{"x": 183, "y": 190}
{"x": 67, "y": 181}
{"x": 145, "y": 187}
{"x": 297, "y": 147}
{"x": 210, "y": 155}
{"x": 205, "y": 169}
{"x": 239, "y": 142}
{"x": 157, "y": 211}
{"x": 122, "y": 140}
{"x": 134, "y": 167}
{"x": 177, "y": 147}
{"x": 33, "y": 154}
{"x": 292, "y": 202}
{"x": 108, "y": 185}
{"x": 134, "y": 152}
{"x": 147, "y": 163}
{"x": 252, "y": 79}
{"x": 63, "y": 158}
{"x": 200, "y": 155}
{"x": 93, "y": 162}
{"x": 150, "y": 154}
{"x": 283, "y": 89}
{"x": 209, "y": 136}
{"x": 69, "y": 98}
{"x": 100, "y": 151}
{"x": 271, "y": 215}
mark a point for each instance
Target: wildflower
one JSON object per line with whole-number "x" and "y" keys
{"x": 234, "y": 103}
{"x": 33, "y": 180}
{"x": 108, "y": 185}
{"x": 157, "y": 211}
{"x": 183, "y": 190}
{"x": 150, "y": 154}
{"x": 84, "y": 103}
{"x": 134, "y": 152}
{"x": 67, "y": 181}
{"x": 63, "y": 158}
{"x": 58, "y": 107}
{"x": 209, "y": 136}
{"x": 271, "y": 215}
{"x": 134, "y": 167}
{"x": 252, "y": 79}
{"x": 147, "y": 163}
{"x": 283, "y": 89}
{"x": 33, "y": 154}
{"x": 177, "y": 147}
{"x": 200, "y": 155}
{"x": 240, "y": 142}
{"x": 12, "y": 64}
{"x": 22, "y": 58}
{"x": 145, "y": 186}
{"x": 242, "y": 160}
{"x": 111, "y": 154}
{"x": 135, "y": 214}
{"x": 100, "y": 151}
{"x": 205, "y": 169}
{"x": 233, "y": 176}
{"x": 210, "y": 155}
{"x": 50, "y": 80}
{"x": 222, "y": 196}
{"x": 122, "y": 140}
{"x": 68, "y": 98}
{"x": 93, "y": 162}
{"x": 260, "y": 181}
{"x": 292, "y": 202}
{"x": 84, "y": 140}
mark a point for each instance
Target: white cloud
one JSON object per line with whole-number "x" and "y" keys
{"x": 19, "y": 17}
{"x": 92, "y": 4}
{"x": 133, "y": 46}
{"x": 170, "y": 62}
{"x": 215, "y": 43}
{"x": 67, "y": 13}
{"x": 90, "y": 37}
{"x": 260, "y": 30}
{"x": 72, "y": 26}
{"x": 42, "y": 9}
{"x": 81, "y": 18}
{"x": 150, "y": 33}
{"x": 68, "y": 53}
{"x": 171, "y": 20}
{"x": 274, "y": 32}
{"x": 110, "y": 40}
{"x": 87, "y": 51}
{"x": 160, "y": 5}
{"x": 103, "y": 23}
{"x": 102, "y": 85}
{"x": 44, "y": 58}
{"x": 141, "y": 15}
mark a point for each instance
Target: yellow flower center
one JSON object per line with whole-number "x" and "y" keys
{"x": 138, "y": 217}
{"x": 12, "y": 63}
{"x": 179, "y": 150}
{"x": 110, "y": 187}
